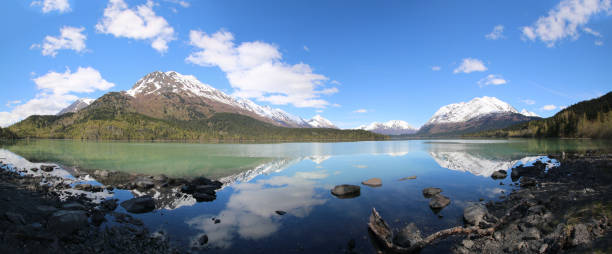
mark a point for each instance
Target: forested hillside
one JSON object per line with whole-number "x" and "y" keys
{"x": 587, "y": 119}
{"x": 110, "y": 118}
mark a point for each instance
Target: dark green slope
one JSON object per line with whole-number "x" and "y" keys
{"x": 111, "y": 118}
{"x": 587, "y": 119}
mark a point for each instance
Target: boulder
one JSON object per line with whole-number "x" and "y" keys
{"x": 346, "y": 191}
{"x": 408, "y": 236}
{"x": 74, "y": 206}
{"x": 109, "y": 204}
{"x": 102, "y": 173}
{"x": 528, "y": 182}
{"x": 47, "y": 168}
{"x": 203, "y": 197}
{"x": 430, "y": 192}
{"x": 208, "y": 189}
{"x": 66, "y": 222}
{"x": 144, "y": 183}
{"x": 438, "y": 201}
{"x": 45, "y": 209}
{"x": 83, "y": 187}
{"x": 499, "y": 174}
{"x": 139, "y": 205}
{"x": 160, "y": 178}
{"x": 373, "y": 182}
{"x": 474, "y": 214}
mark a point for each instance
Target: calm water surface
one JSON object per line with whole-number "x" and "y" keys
{"x": 297, "y": 177}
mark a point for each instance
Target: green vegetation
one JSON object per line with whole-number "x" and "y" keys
{"x": 587, "y": 119}
{"x": 7, "y": 134}
{"x": 110, "y": 118}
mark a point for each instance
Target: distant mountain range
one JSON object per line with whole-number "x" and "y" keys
{"x": 393, "y": 127}
{"x": 169, "y": 105}
{"x": 586, "y": 119}
{"x": 76, "y": 106}
{"x": 153, "y": 96}
{"x": 484, "y": 113}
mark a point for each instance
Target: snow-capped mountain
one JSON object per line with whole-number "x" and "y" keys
{"x": 479, "y": 114}
{"x": 319, "y": 122}
{"x": 393, "y": 127}
{"x": 528, "y": 113}
{"x": 207, "y": 100}
{"x": 464, "y": 111}
{"x": 76, "y": 106}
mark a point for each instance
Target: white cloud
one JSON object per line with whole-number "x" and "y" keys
{"x": 335, "y": 82}
{"x": 361, "y": 111}
{"x": 69, "y": 38}
{"x": 562, "y": 107}
{"x": 10, "y": 104}
{"x": 564, "y": 20}
{"x": 256, "y": 70}
{"x": 470, "y": 65}
{"x": 184, "y": 4}
{"x": 528, "y": 102}
{"x": 591, "y": 32}
{"x": 497, "y": 33}
{"x": 139, "y": 23}
{"x": 492, "y": 79}
{"x": 336, "y": 105}
{"x": 319, "y": 111}
{"x": 548, "y": 107}
{"x": 56, "y": 91}
{"x": 599, "y": 43}
{"x": 436, "y": 68}
{"x": 306, "y": 48}
{"x": 53, "y": 5}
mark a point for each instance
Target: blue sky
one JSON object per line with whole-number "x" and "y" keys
{"x": 353, "y": 62}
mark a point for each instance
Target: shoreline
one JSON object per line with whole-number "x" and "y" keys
{"x": 564, "y": 208}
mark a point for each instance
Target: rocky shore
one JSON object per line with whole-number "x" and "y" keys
{"x": 44, "y": 211}
{"x": 563, "y": 209}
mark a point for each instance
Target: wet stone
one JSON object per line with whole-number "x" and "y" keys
{"x": 346, "y": 191}
{"x": 439, "y": 201}
{"x": 430, "y": 192}
{"x": 373, "y": 182}
{"x": 139, "y": 205}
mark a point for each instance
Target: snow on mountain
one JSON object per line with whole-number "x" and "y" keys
{"x": 171, "y": 81}
{"x": 464, "y": 111}
{"x": 319, "y": 122}
{"x": 76, "y": 106}
{"x": 528, "y": 113}
{"x": 393, "y": 127}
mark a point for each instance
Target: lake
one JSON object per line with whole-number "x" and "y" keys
{"x": 260, "y": 179}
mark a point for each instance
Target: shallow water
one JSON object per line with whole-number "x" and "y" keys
{"x": 297, "y": 177}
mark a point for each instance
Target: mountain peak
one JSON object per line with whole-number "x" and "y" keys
{"x": 76, "y": 106}
{"x": 392, "y": 127}
{"x": 320, "y": 122}
{"x": 528, "y": 113}
{"x": 464, "y": 111}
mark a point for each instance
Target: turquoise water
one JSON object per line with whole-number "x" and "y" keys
{"x": 297, "y": 177}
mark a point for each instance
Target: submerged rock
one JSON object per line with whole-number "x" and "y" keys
{"x": 499, "y": 174}
{"x": 346, "y": 191}
{"x": 430, "y": 192}
{"x": 407, "y": 178}
{"x": 474, "y": 214}
{"x": 139, "y": 205}
{"x": 408, "y": 236}
{"x": 373, "y": 182}
{"x": 438, "y": 201}
{"x": 66, "y": 222}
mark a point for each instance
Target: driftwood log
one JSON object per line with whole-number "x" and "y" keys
{"x": 380, "y": 229}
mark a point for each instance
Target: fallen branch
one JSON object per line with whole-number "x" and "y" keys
{"x": 384, "y": 234}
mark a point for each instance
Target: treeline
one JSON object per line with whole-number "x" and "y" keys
{"x": 110, "y": 119}
{"x": 7, "y": 134}
{"x": 587, "y": 119}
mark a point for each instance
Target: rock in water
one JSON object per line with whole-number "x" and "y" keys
{"x": 144, "y": 184}
{"x": 47, "y": 168}
{"x": 203, "y": 197}
{"x": 408, "y": 236}
{"x": 438, "y": 201}
{"x": 346, "y": 191}
{"x": 281, "y": 212}
{"x": 499, "y": 174}
{"x": 430, "y": 192}
{"x": 474, "y": 214}
{"x": 66, "y": 222}
{"x": 203, "y": 240}
{"x": 407, "y": 178}
{"x": 373, "y": 182}
{"x": 139, "y": 205}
